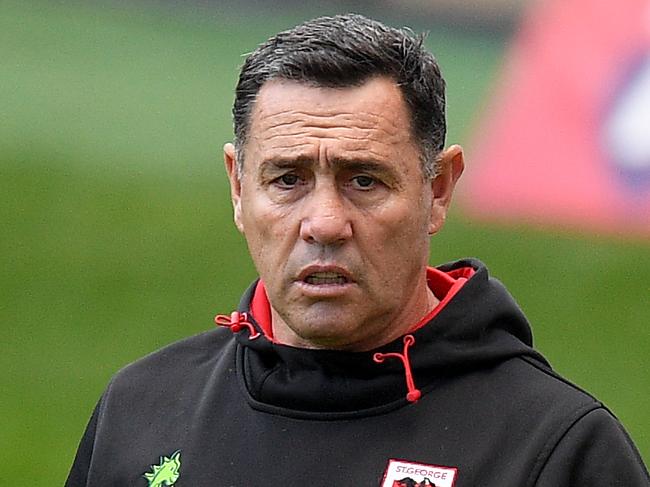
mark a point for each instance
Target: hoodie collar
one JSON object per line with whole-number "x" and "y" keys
{"x": 444, "y": 286}
{"x": 477, "y": 324}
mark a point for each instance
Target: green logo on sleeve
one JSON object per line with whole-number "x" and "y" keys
{"x": 166, "y": 473}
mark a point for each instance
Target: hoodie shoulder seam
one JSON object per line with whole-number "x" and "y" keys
{"x": 551, "y": 373}
{"x": 549, "y": 447}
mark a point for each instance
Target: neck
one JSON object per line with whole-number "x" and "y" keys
{"x": 396, "y": 325}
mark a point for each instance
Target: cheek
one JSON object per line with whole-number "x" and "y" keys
{"x": 256, "y": 211}
{"x": 405, "y": 221}
{"x": 399, "y": 239}
{"x": 267, "y": 230}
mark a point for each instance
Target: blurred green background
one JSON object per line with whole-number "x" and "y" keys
{"x": 116, "y": 234}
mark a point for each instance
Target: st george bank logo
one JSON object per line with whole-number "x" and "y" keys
{"x": 409, "y": 474}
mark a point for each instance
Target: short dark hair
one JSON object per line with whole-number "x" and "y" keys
{"x": 347, "y": 50}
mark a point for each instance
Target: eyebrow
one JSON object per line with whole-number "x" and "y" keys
{"x": 287, "y": 162}
{"x": 354, "y": 164}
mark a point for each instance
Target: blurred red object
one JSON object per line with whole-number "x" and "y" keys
{"x": 566, "y": 139}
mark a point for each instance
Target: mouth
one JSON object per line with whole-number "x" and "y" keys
{"x": 325, "y": 279}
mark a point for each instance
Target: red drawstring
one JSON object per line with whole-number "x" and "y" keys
{"x": 236, "y": 322}
{"x": 413, "y": 393}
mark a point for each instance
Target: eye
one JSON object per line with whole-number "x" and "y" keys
{"x": 363, "y": 182}
{"x": 288, "y": 180}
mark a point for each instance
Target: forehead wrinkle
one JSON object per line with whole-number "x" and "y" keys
{"x": 291, "y": 124}
{"x": 291, "y": 145}
{"x": 378, "y": 150}
{"x": 309, "y": 120}
{"x": 367, "y": 135}
{"x": 324, "y": 115}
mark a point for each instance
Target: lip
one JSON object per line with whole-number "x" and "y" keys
{"x": 324, "y": 290}
{"x": 317, "y": 268}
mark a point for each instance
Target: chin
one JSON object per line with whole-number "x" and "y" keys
{"x": 329, "y": 343}
{"x": 329, "y": 333}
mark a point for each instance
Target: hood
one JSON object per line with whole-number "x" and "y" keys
{"x": 478, "y": 328}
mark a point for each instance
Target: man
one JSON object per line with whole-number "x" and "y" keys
{"x": 350, "y": 362}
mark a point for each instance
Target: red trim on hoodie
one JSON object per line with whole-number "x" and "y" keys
{"x": 261, "y": 310}
{"x": 444, "y": 286}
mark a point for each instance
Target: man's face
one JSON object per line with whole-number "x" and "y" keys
{"x": 336, "y": 212}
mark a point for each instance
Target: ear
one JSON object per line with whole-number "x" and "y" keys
{"x": 230, "y": 161}
{"x": 451, "y": 163}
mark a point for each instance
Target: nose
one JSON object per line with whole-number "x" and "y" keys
{"x": 326, "y": 219}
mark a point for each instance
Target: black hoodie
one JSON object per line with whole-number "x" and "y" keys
{"x": 462, "y": 401}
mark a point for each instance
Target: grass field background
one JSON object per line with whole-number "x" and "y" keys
{"x": 116, "y": 234}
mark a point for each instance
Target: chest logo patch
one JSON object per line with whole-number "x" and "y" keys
{"x": 408, "y": 474}
{"x": 167, "y": 472}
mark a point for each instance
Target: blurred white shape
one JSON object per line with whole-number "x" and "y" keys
{"x": 627, "y": 130}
